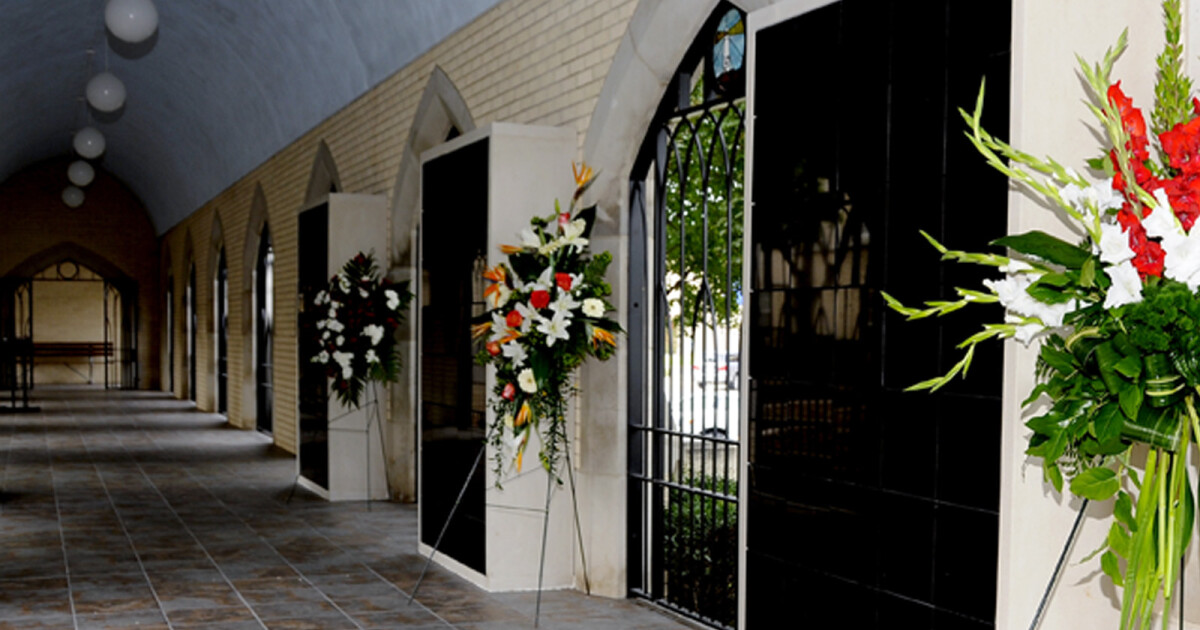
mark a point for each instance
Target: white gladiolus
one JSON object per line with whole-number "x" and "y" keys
{"x": 322, "y": 324}
{"x": 1014, "y": 296}
{"x": 335, "y": 325}
{"x": 393, "y": 299}
{"x": 340, "y": 340}
{"x": 1126, "y": 285}
{"x": 593, "y": 307}
{"x": 371, "y": 357}
{"x": 1181, "y": 250}
{"x": 343, "y": 283}
{"x": 1114, "y": 244}
{"x": 526, "y": 381}
{"x": 375, "y": 332}
{"x": 363, "y": 293}
{"x": 322, "y": 357}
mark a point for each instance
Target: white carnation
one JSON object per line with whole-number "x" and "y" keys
{"x": 593, "y": 307}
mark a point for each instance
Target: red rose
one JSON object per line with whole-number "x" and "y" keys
{"x": 539, "y": 299}
{"x": 493, "y": 348}
{"x": 563, "y": 280}
{"x": 513, "y": 319}
{"x": 509, "y": 392}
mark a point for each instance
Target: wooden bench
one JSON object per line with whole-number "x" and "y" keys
{"x": 73, "y": 350}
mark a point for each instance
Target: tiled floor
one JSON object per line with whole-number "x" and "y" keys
{"x": 130, "y": 510}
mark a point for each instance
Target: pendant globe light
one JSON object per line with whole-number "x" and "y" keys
{"x": 89, "y": 143}
{"x": 80, "y": 173}
{"x": 72, "y": 196}
{"x": 131, "y": 21}
{"x": 106, "y": 92}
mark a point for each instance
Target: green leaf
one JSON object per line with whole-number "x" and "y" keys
{"x": 1156, "y": 427}
{"x": 1097, "y": 484}
{"x": 1046, "y": 247}
{"x": 1111, "y": 567}
{"x": 1118, "y": 540}
{"x": 1087, "y": 275}
{"x": 1129, "y": 366}
{"x": 1130, "y": 397}
{"x": 1054, "y": 476}
{"x": 1108, "y": 423}
{"x": 1064, "y": 362}
{"x": 1123, "y": 511}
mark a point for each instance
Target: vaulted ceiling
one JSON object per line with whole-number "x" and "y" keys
{"x": 219, "y": 88}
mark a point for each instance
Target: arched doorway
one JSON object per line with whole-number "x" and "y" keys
{"x": 170, "y": 318}
{"x": 264, "y": 325}
{"x": 222, "y": 317}
{"x": 192, "y": 320}
{"x": 686, "y": 208}
{"x": 79, "y": 317}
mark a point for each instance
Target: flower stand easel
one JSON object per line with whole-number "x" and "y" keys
{"x": 548, "y": 315}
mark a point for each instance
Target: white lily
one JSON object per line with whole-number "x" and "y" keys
{"x": 556, "y": 327}
{"x": 564, "y": 303}
{"x": 573, "y": 235}
{"x": 515, "y": 352}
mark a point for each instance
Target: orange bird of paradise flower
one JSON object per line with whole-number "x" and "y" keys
{"x": 599, "y": 335}
{"x": 497, "y": 275}
{"x": 479, "y": 330}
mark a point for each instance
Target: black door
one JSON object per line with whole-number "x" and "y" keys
{"x": 264, "y": 302}
{"x": 453, "y": 400}
{"x": 868, "y": 507}
{"x": 192, "y": 321}
{"x": 222, "y": 334}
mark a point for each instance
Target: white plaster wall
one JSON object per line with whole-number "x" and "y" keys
{"x": 1047, "y": 118}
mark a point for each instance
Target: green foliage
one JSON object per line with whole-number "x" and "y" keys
{"x": 704, "y": 202}
{"x": 700, "y": 548}
{"x": 1172, "y": 91}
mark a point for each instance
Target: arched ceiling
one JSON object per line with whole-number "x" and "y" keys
{"x": 222, "y": 85}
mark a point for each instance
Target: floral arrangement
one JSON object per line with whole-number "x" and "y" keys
{"x": 356, "y": 317}
{"x": 1118, "y": 318}
{"x": 548, "y": 314}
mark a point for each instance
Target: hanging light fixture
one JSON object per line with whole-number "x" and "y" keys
{"x": 89, "y": 143}
{"x": 106, "y": 92}
{"x": 80, "y": 173}
{"x": 72, "y": 196}
{"x": 131, "y": 20}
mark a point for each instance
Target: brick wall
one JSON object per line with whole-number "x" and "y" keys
{"x": 525, "y": 61}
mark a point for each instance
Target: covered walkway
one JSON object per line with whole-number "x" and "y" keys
{"x": 130, "y": 509}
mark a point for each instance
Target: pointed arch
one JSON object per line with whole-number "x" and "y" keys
{"x": 441, "y": 114}
{"x": 216, "y": 242}
{"x": 441, "y": 110}
{"x": 323, "y": 177}
{"x": 67, "y": 250}
{"x": 218, "y": 309}
{"x": 245, "y": 377}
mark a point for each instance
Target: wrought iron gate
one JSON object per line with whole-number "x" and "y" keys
{"x": 684, "y": 323}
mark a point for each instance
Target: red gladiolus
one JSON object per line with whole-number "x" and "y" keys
{"x": 509, "y": 392}
{"x": 1182, "y": 146}
{"x": 513, "y": 319}
{"x": 1132, "y": 120}
{"x": 1148, "y": 254}
{"x": 493, "y": 348}
{"x": 563, "y": 280}
{"x": 539, "y": 299}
